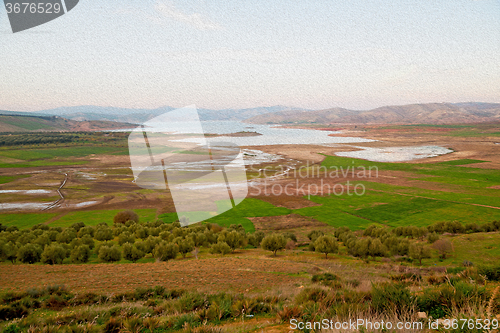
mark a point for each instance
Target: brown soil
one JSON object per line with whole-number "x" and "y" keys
{"x": 209, "y": 275}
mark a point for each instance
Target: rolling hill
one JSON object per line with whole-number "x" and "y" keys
{"x": 139, "y": 116}
{"x": 432, "y": 113}
{"x": 21, "y": 122}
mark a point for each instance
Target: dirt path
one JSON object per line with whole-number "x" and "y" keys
{"x": 61, "y": 199}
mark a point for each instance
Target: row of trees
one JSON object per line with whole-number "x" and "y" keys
{"x": 128, "y": 239}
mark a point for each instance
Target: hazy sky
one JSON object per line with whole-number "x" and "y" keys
{"x": 235, "y": 54}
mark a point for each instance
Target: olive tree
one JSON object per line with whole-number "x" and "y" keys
{"x": 165, "y": 251}
{"x": 326, "y": 244}
{"x": 274, "y": 243}
{"x": 53, "y": 254}
{"x": 80, "y": 254}
{"x": 131, "y": 252}
{"x": 220, "y": 247}
{"x": 418, "y": 252}
{"x": 29, "y": 253}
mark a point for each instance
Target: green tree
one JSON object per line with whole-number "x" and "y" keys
{"x": 274, "y": 243}
{"x": 418, "y": 252}
{"x": 312, "y": 235}
{"x": 109, "y": 253}
{"x": 66, "y": 236}
{"x": 326, "y": 244}
{"x": 103, "y": 233}
{"x": 126, "y": 237}
{"x": 165, "y": 251}
{"x": 185, "y": 245}
{"x": 80, "y": 254}
{"x": 131, "y": 252}
{"x": 220, "y": 247}
{"x": 232, "y": 238}
{"x": 29, "y": 253}
{"x": 10, "y": 252}
{"x": 53, "y": 254}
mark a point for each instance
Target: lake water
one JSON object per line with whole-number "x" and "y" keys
{"x": 396, "y": 154}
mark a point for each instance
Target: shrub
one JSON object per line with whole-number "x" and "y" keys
{"x": 326, "y": 244}
{"x": 220, "y": 247}
{"x": 274, "y": 243}
{"x": 165, "y": 251}
{"x": 80, "y": 254}
{"x": 392, "y": 298}
{"x": 492, "y": 273}
{"x": 110, "y": 253}
{"x": 125, "y": 216}
{"x": 130, "y": 252}
{"x": 113, "y": 325}
{"x": 29, "y": 253}
{"x": 12, "y": 328}
{"x": 53, "y": 254}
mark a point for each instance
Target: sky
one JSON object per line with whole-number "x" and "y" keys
{"x": 217, "y": 54}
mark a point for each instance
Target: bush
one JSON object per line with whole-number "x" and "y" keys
{"x": 274, "y": 243}
{"x": 80, "y": 254}
{"x": 130, "y": 252}
{"x": 326, "y": 244}
{"x": 392, "y": 298}
{"x": 110, "y": 253}
{"x": 125, "y": 216}
{"x": 165, "y": 251}
{"x": 492, "y": 273}
{"x": 29, "y": 253}
{"x": 53, "y": 254}
{"x": 220, "y": 247}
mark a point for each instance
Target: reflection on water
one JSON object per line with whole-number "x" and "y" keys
{"x": 396, "y": 154}
{"x": 270, "y": 135}
{"x": 26, "y": 191}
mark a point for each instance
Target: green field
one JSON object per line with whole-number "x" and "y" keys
{"x": 24, "y": 221}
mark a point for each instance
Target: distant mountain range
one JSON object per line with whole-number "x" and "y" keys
{"x": 139, "y": 116}
{"x": 431, "y": 113}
